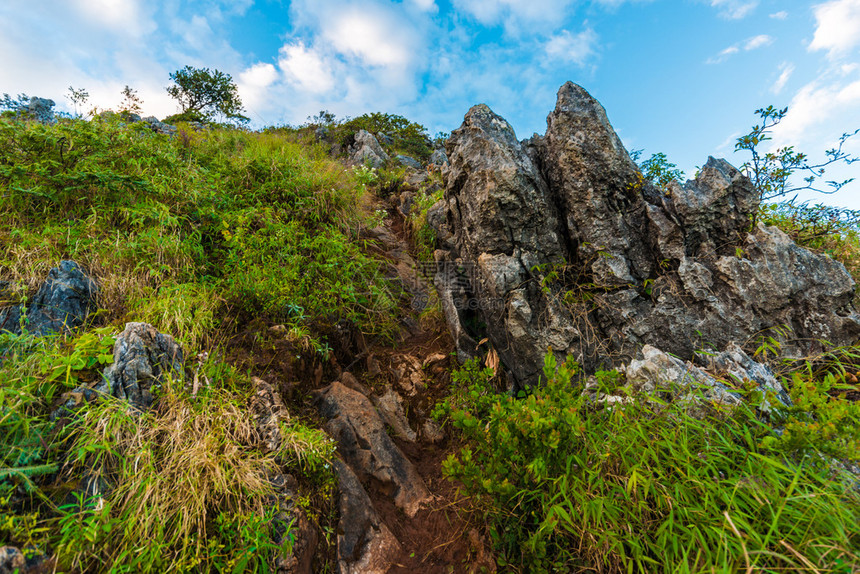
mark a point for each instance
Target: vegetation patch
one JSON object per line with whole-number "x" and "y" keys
{"x": 566, "y": 486}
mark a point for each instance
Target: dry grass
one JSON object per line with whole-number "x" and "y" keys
{"x": 173, "y": 471}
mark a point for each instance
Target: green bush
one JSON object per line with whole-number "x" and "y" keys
{"x": 567, "y": 487}
{"x": 409, "y": 137}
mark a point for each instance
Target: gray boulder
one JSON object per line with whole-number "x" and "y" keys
{"x": 142, "y": 359}
{"x": 61, "y": 304}
{"x": 41, "y": 110}
{"x": 658, "y": 371}
{"x": 365, "y": 445}
{"x": 438, "y": 157}
{"x": 410, "y": 162}
{"x": 367, "y": 151}
{"x": 565, "y": 246}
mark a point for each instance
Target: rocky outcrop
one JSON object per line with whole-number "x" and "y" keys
{"x": 558, "y": 242}
{"x": 365, "y": 445}
{"x": 142, "y": 359}
{"x": 367, "y": 151}
{"x": 41, "y": 110}
{"x": 365, "y": 545}
{"x": 61, "y": 304}
{"x": 407, "y": 161}
{"x": 658, "y": 371}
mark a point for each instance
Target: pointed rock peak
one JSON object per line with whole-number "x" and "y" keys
{"x": 482, "y": 118}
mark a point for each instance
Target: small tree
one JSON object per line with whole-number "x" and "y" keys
{"x": 78, "y": 97}
{"x": 660, "y": 170}
{"x": 771, "y": 172}
{"x": 203, "y": 93}
{"x": 131, "y": 102}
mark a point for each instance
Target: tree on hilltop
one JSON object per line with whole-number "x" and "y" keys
{"x": 203, "y": 93}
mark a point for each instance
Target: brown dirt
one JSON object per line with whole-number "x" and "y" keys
{"x": 445, "y": 537}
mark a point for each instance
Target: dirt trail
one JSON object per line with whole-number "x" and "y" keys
{"x": 445, "y": 536}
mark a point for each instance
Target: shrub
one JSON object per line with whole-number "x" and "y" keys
{"x": 566, "y": 487}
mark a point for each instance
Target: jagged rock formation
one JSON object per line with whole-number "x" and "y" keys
{"x": 61, "y": 304}
{"x": 142, "y": 358}
{"x": 40, "y": 109}
{"x": 557, "y": 242}
{"x": 367, "y": 151}
{"x": 659, "y": 371}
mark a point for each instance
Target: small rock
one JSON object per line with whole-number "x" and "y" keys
{"x": 322, "y": 133}
{"x": 390, "y": 408}
{"x": 408, "y": 374}
{"x": 268, "y": 411}
{"x": 439, "y": 157}
{"x": 407, "y": 199}
{"x": 373, "y": 369}
{"x": 11, "y": 560}
{"x": 367, "y": 151}
{"x": 349, "y": 381}
{"x": 432, "y": 432}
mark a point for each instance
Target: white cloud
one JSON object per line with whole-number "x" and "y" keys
{"x": 306, "y": 68}
{"x": 838, "y": 27}
{"x": 781, "y": 15}
{"x": 735, "y": 9}
{"x": 517, "y": 15}
{"x": 253, "y": 84}
{"x": 786, "y": 70}
{"x": 119, "y": 16}
{"x": 750, "y": 44}
{"x": 758, "y": 42}
{"x": 815, "y": 106}
{"x": 369, "y": 37}
{"x": 574, "y": 48}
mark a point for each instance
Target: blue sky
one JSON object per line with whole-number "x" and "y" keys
{"x": 678, "y": 76}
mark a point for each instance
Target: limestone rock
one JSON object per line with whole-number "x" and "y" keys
{"x": 364, "y": 544}
{"x": 268, "y": 411}
{"x": 660, "y": 372}
{"x": 390, "y": 409}
{"x": 438, "y": 157}
{"x": 291, "y": 520}
{"x": 558, "y": 242}
{"x": 367, "y": 448}
{"x": 407, "y": 161}
{"x": 142, "y": 357}
{"x": 367, "y": 151}
{"x": 61, "y": 304}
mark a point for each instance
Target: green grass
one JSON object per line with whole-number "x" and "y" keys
{"x": 197, "y": 234}
{"x": 566, "y": 487}
{"x": 189, "y": 231}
